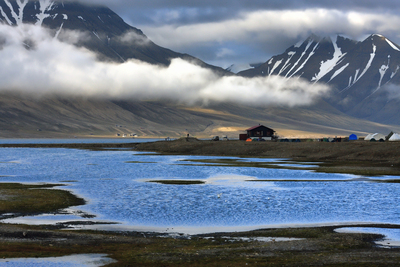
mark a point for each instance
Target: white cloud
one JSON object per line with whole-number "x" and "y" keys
{"x": 225, "y": 52}
{"x": 54, "y": 67}
{"x": 392, "y": 90}
{"x": 133, "y": 37}
{"x": 268, "y": 27}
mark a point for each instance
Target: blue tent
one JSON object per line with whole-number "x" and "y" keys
{"x": 353, "y": 137}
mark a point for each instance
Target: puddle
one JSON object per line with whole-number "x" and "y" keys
{"x": 84, "y": 260}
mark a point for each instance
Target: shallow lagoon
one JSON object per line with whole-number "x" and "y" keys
{"x": 116, "y": 185}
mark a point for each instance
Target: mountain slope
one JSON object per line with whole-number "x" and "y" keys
{"x": 21, "y": 116}
{"x": 358, "y": 72}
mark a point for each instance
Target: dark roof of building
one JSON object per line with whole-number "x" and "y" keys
{"x": 255, "y": 127}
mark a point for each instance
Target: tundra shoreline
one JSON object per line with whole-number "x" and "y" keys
{"x": 313, "y": 151}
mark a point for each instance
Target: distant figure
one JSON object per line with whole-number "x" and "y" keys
{"x": 187, "y": 137}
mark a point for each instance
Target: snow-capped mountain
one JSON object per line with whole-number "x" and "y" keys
{"x": 105, "y": 32}
{"x": 358, "y": 72}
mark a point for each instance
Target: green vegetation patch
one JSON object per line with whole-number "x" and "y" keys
{"x": 33, "y": 199}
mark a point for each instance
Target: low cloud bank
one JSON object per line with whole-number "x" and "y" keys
{"x": 35, "y": 63}
{"x": 393, "y": 91}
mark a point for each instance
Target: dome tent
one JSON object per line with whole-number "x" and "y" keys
{"x": 395, "y": 137}
{"x": 376, "y": 136}
{"x": 368, "y": 137}
{"x": 379, "y": 137}
{"x": 353, "y": 137}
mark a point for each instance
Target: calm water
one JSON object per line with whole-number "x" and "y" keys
{"x": 85, "y": 260}
{"x": 115, "y": 183}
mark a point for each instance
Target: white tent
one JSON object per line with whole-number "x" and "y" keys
{"x": 395, "y": 137}
{"x": 376, "y": 136}
{"x": 368, "y": 137}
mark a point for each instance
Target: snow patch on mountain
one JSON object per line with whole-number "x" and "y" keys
{"x": 395, "y": 72}
{"x": 275, "y": 66}
{"x": 330, "y": 64}
{"x": 6, "y": 17}
{"x": 96, "y": 34}
{"x": 357, "y": 77}
{"x": 286, "y": 65}
{"x": 301, "y": 57}
{"x": 21, "y": 6}
{"x": 59, "y": 31}
{"x": 382, "y": 72}
{"x": 339, "y": 71}
{"x": 45, "y": 6}
{"x": 305, "y": 61}
{"x": 372, "y": 56}
{"x": 392, "y": 45}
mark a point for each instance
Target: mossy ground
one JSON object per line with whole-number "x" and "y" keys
{"x": 31, "y": 199}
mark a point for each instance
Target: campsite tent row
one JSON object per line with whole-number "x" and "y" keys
{"x": 377, "y": 137}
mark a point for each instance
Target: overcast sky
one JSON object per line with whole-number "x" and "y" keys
{"x": 223, "y": 32}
